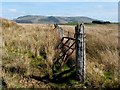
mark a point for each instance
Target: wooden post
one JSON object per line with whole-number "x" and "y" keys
{"x": 69, "y": 40}
{"x": 61, "y": 32}
{"x": 80, "y": 52}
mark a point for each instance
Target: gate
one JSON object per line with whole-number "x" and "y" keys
{"x": 67, "y": 46}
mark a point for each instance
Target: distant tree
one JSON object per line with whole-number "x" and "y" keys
{"x": 98, "y": 22}
{"x": 101, "y": 22}
{"x": 107, "y": 22}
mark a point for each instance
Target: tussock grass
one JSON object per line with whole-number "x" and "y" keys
{"x": 29, "y": 49}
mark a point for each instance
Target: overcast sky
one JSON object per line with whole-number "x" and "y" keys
{"x": 97, "y": 10}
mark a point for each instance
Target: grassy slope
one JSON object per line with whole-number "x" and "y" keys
{"x": 21, "y": 57}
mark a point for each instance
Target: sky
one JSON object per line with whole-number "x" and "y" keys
{"x": 60, "y": 0}
{"x": 107, "y": 11}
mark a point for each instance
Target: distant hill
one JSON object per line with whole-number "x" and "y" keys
{"x": 51, "y": 19}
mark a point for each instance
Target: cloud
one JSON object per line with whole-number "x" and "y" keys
{"x": 11, "y": 13}
{"x": 15, "y": 11}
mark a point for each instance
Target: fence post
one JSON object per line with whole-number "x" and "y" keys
{"x": 69, "y": 40}
{"x": 80, "y": 52}
{"x": 59, "y": 30}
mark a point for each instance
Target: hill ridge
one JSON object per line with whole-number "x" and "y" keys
{"x": 52, "y": 19}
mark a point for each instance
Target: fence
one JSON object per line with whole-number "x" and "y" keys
{"x": 67, "y": 49}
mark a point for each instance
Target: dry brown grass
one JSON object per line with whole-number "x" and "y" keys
{"x": 21, "y": 56}
{"x": 21, "y": 48}
{"x": 102, "y": 55}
